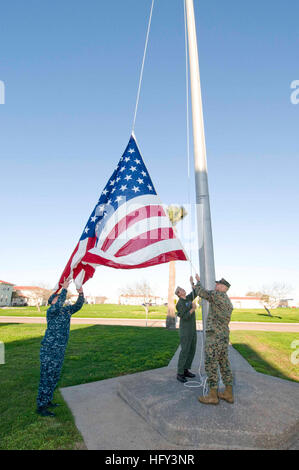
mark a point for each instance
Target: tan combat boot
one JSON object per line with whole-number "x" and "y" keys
{"x": 211, "y": 398}
{"x": 227, "y": 395}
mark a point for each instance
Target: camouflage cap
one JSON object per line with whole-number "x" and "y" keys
{"x": 224, "y": 282}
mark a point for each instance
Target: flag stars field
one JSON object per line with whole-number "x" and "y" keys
{"x": 136, "y": 189}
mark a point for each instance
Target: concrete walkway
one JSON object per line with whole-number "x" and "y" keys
{"x": 153, "y": 411}
{"x": 234, "y": 326}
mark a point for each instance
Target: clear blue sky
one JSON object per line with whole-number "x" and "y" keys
{"x": 71, "y": 71}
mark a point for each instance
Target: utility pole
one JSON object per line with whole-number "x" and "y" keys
{"x": 204, "y": 226}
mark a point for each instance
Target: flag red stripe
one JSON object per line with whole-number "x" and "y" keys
{"x": 90, "y": 244}
{"x": 133, "y": 217}
{"x": 162, "y": 258}
{"x": 88, "y": 271}
{"x": 67, "y": 269}
{"x": 145, "y": 239}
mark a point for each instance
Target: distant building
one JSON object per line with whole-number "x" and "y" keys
{"x": 29, "y": 295}
{"x": 90, "y": 299}
{"x": 246, "y": 302}
{"x": 96, "y": 299}
{"x": 134, "y": 299}
{"x": 6, "y": 289}
{"x": 286, "y": 303}
{"x": 256, "y": 302}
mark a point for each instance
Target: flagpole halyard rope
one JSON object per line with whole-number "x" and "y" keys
{"x": 142, "y": 66}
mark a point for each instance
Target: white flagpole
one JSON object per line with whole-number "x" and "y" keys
{"x": 204, "y": 226}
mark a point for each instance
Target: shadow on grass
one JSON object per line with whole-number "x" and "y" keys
{"x": 94, "y": 353}
{"x": 268, "y": 316}
{"x": 259, "y": 363}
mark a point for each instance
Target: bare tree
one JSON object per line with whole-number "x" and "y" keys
{"x": 270, "y": 296}
{"x": 40, "y": 296}
{"x": 142, "y": 289}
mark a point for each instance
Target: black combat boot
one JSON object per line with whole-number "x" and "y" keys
{"x": 181, "y": 378}
{"x": 43, "y": 411}
{"x": 189, "y": 374}
{"x": 52, "y": 405}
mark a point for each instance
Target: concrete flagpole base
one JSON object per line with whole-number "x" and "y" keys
{"x": 152, "y": 410}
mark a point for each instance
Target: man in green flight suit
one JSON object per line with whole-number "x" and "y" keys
{"x": 186, "y": 312}
{"x": 217, "y": 340}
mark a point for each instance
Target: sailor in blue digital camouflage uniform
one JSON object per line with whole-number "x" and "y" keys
{"x": 53, "y": 346}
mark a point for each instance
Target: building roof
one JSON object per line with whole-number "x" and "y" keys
{"x": 141, "y": 295}
{"x": 8, "y": 283}
{"x": 29, "y": 288}
{"x": 245, "y": 298}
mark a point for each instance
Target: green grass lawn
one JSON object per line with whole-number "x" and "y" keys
{"x": 268, "y": 352}
{"x": 95, "y": 311}
{"x": 94, "y": 353}
{"x": 280, "y": 315}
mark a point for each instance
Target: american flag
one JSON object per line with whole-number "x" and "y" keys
{"x": 128, "y": 227}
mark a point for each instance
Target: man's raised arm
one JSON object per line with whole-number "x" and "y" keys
{"x": 79, "y": 303}
{"x": 210, "y": 295}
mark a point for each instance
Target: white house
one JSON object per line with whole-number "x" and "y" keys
{"x": 30, "y": 295}
{"x": 90, "y": 299}
{"x": 246, "y": 302}
{"x": 134, "y": 299}
{"x": 95, "y": 299}
{"x": 6, "y": 289}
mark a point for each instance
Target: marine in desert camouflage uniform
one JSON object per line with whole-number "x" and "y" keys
{"x": 217, "y": 340}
